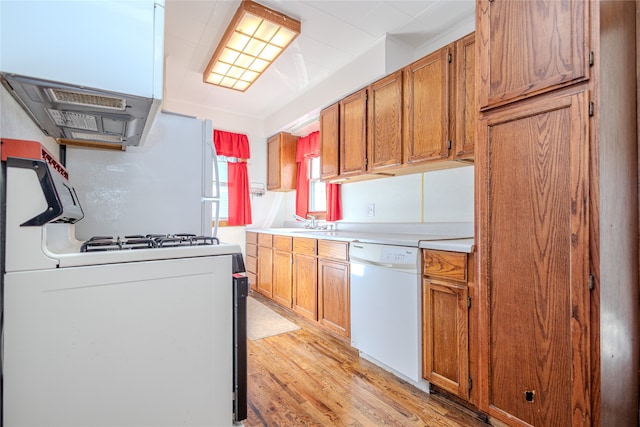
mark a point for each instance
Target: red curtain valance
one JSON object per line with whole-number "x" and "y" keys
{"x": 231, "y": 144}
{"x": 308, "y": 146}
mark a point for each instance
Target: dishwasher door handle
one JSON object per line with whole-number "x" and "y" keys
{"x": 369, "y": 262}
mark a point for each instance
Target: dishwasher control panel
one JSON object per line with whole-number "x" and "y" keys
{"x": 398, "y": 255}
{"x": 387, "y": 256}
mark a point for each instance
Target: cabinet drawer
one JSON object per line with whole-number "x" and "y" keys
{"x": 252, "y": 264}
{"x": 265, "y": 240}
{"x": 445, "y": 265}
{"x": 334, "y": 250}
{"x": 252, "y": 250}
{"x": 252, "y": 237}
{"x": 304, "y": 245}
{"x": 282, "y": 243}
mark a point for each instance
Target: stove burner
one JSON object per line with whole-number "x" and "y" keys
{"x": 150, "y": 241}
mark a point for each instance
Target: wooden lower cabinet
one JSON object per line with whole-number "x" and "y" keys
{"x": 446, "y": 330}
{"x": 251, "y": 261}
{"x": 446, "y": 303}
{"x": 265, "y": 265}
{"x": 305, "y": 278}
{"x": 334, "y": 311}
{"x": 282, "y": 270}
{"x": 307, "y": 275}
{"x": 333, "y": 296}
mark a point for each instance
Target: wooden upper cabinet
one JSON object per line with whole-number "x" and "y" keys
{"x": 426, "y": 119}
{"x": 385, "y": 123}
{"x": 466, "y": 109}
{"x": 281, "y": 162}
{"x": 353, "y": 134}
{"x": 529, "y": 47}
{"x": 330, "y": 142}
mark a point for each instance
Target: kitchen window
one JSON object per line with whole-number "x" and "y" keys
{"x": 317, "y": 189}
{"x": 223, "y": 174}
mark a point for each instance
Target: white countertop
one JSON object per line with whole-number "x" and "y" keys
{"x": 423, "y": 241}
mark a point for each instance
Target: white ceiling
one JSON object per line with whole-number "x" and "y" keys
{"x": 334, "y": 33}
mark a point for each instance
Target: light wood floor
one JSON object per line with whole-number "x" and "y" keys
{"x": 311, "y": 378}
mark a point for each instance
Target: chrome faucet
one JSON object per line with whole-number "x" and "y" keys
{"x": 308, "y": 223}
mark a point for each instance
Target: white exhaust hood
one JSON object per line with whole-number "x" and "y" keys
{"x": 86, "y": 72}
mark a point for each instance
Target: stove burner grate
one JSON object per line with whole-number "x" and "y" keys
{"x": 149, "y": 241}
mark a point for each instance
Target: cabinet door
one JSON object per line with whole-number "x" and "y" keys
{"x": 333, "y": 296}
{"x": 426, "y": 120}
{"x": 330, "y": 142}
{"x": 305, "y": 286}
{"x": 445, "y": 334}
{"x": 282, "y": 277}
{"x": 353, "y": 134}
{"x": 265, "y": 271}
{"x": 385, "y": 123}
{"x": 532, "y": 195}
{"x": 528, "y": 47}
{"x": 466, "y": 105}
{"x": 281, "y": 162}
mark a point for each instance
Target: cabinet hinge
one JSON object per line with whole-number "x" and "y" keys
{"x": 591, "y": 109}
{"x": 591, "y": 59}
{"x": 470, "y": 383}
{"x": 449, "y": 58}
{"x": 449, "y": 145}
{"x": 591, "y": 282}
{"x": 468, "y": 302}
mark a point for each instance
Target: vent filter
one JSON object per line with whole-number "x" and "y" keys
{"x": 63, "y": 96}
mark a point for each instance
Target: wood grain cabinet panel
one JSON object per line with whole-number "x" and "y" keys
{"x": 251, "y": 262}
{"x": 384, "y": 124}
{"x": 353, "y": 134}
{"x": 334, "y": 311}
{"x": 281, "y": 162}
{"x": 330, "y": 142}
{"x": 445, "y": 265}
{"x": 449, "y": 347}
{"x": 333, "y": 296}
{"x": 265, "y": 271}
{"x": 446, "y": 333}
{"x": 466, "y": 108}
{"x": 426, "y": 118}
{"x": 305, "y": 277}
{"x": 529, "y": 47}
{"x": 282, "y": 270}
{"x": 533, "y": 211}
{"x": 305, "y": 294}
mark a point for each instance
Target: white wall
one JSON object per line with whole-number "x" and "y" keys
{"x": 437, "y": 196}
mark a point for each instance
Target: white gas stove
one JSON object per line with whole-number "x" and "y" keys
{"x": 126, "y": 331}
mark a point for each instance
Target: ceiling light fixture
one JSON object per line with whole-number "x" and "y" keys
{"x": 255, "y": 37}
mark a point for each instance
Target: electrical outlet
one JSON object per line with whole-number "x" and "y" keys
{"x": 371, "y": 209}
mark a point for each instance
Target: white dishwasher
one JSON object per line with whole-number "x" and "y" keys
{"x": 386, "y": 306}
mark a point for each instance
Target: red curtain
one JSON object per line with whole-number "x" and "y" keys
{"x": 334, "y": 205}
{"x": 236, "y": 147}
{"x": 308, "y": 148}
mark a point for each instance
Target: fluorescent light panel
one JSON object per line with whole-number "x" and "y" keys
{"x": 255, "y": 37}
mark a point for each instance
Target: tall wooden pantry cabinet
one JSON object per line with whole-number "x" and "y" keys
{"x": 557, "y": 212}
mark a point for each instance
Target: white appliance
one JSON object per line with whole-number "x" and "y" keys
{"x": 85, "y": 71}
{"x": 169, "y": 184}
{"x": 116, "y": 331}
{"x": 386, "y": 307}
